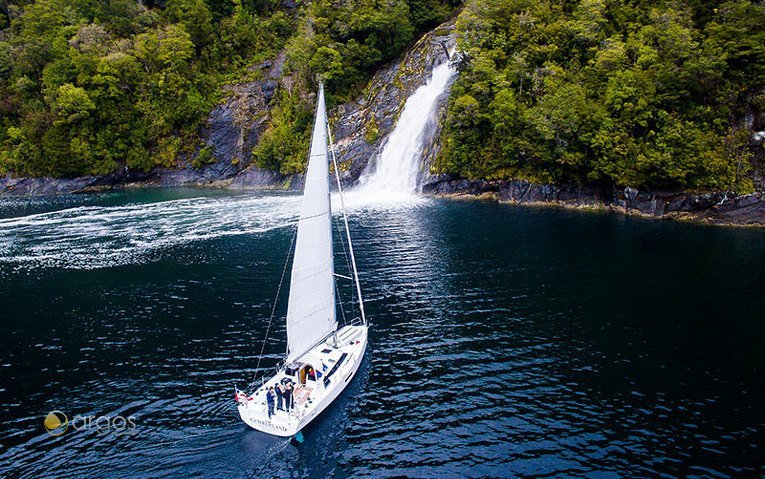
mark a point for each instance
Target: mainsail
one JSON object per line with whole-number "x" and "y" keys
{"x": 311, "y": 307}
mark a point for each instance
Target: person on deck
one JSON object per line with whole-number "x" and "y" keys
{"x": 279, "y": 396}
{"x": 288, "y": 399}
{"x": 270, "y": 402}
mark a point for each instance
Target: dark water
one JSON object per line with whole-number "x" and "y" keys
{"x": 505, "y": 341}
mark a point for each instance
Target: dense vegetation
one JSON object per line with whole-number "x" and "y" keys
{"x": 88, "y": 87}
{"x": 613, "y": 92}
{"x": 630, "y": 93}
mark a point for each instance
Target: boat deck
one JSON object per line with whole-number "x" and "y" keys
{"x": 334, "y": 364}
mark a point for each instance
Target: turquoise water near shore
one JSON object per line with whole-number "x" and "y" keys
{"x": 506, "y": 341}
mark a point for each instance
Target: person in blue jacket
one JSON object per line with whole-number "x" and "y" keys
{"x": 270, "y": 401}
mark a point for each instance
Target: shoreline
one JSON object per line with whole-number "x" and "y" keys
{"x": 714, "y": 208}
{"x": 599, "y": 208}
{"x": 706, "y": 208}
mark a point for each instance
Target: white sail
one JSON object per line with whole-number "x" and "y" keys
{"x": 311, "y": 307}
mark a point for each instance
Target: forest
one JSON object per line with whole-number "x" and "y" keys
{"x": 648, "y": 94}
{"x": 89, "y": 86}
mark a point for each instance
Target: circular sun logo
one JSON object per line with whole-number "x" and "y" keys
{"x": 56, "y": 423}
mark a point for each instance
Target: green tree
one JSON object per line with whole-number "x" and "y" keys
{"x": 640, "y": 94}
{"x": 6, "y": 60}
{"x": 169, "y": 48}
{"x": 195, "y": 16}
{"x": 72, "y": 104}
{"x": 327, "y": 63}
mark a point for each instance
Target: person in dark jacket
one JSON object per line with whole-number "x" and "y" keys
{"x": 288, "y": 397}
{"x": 279, "y": 396}
{"x": 270, "y": 402}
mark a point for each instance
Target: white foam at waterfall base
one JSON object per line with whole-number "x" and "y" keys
{"x": 398, "y": 167}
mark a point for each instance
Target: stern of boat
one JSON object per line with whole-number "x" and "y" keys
{"x": 254, "y": 412}
{"x": 335, "y": 362}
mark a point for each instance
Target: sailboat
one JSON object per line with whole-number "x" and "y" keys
{"x": 322, "y": 357}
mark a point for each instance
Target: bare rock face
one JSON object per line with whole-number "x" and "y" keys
{"x": 257, "y": 178}
{"x": 361, "y": 127}
{"x": 715, "y": 208}
{"x": 232, "y": 130}
{"x": 42, "y": 186}
{"x": 238, "y": 122}
{"x": 235, "y": 127}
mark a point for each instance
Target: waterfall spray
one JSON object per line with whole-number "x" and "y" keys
{"x": 398, "y": 165}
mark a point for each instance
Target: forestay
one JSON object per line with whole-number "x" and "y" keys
{"x": 311, "y": 307}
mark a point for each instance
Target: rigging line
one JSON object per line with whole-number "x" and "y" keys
{"x": 317, "y": 215}
{"x": 351, "y": 286}
{"x": 345, "y": 255}
{"x": 342, "y": 243}
{"x": 337, "y": 288}
{"x": 347, "y": 230}
{"x": 273, "y": 308}
{"x": 340, "y": 302}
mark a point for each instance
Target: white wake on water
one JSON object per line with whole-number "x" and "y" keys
{"x": 89, "y": 237}
{"x": 92, "y": 237}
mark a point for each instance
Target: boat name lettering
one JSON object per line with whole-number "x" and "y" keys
{"x": 269, "y": 424}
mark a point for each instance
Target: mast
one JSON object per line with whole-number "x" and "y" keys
{"x": 347, "y": 229}
{"x": 311, "y": 314}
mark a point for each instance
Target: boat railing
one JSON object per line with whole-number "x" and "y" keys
{"x": 264, "y": 377}
{"x": 356, "y": 322}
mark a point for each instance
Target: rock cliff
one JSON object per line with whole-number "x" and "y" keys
{"x": 360, "y": 128}
{"x": 716, "y": 208}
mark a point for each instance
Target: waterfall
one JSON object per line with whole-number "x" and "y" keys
{"x": 398, "y": 166}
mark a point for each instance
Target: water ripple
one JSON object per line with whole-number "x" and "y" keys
{"x": 505, "y": 342}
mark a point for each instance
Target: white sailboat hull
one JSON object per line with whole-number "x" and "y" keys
{"x": 334, "y": 360}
